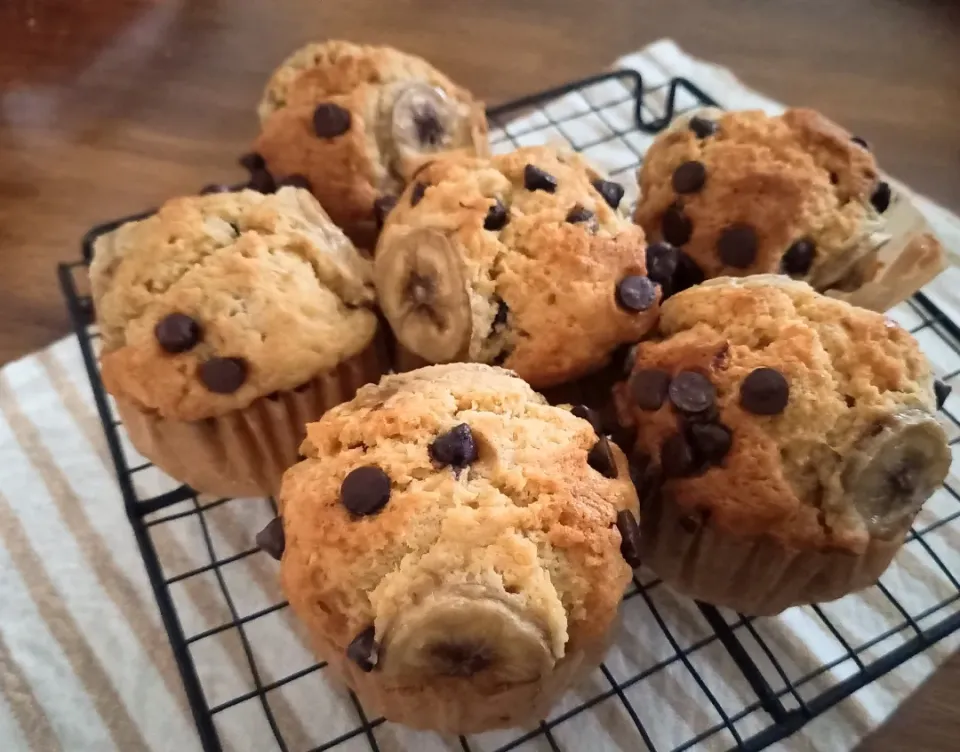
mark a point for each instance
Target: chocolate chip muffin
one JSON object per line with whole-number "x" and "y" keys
{"x": 456, "y": 547}
{"x": 229, "y": 321}
{"x": 784, "y": 443}
{"x": 351, "y": 122}
{"x": 520, "y": 260}
{"x": 742, "y": 193}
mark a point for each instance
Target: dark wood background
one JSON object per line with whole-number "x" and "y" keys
{"x": 110, "y": 106}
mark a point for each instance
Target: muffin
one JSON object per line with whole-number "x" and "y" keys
{"x": 229, "y": 321}
{"x": 784, "y": 443}
{"x": 520, "y": 260}
{"x": 742, "y": 193}
{"x": 456, "y": 547}
{"x": 352, "y": 122}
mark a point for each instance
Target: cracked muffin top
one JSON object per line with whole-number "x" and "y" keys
{"x": 351, "y": 122}
{"x": 217, "y": 300}
{"x": 765, "y": 408}
{"x": 520, "y": 260}
{"x": 742, "y": 193}
{"x": 452, "y": 524}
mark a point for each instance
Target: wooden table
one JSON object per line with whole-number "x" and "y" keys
{"x": 111, "y": 106}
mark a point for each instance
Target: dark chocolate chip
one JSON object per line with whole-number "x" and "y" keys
{"x": 295, "y": 181}
{"x": 661, "y": 262}
{"x": 942, "y": 391}
{"x": 381, "y": 208}
{"x": 177, "y": 332}
{"x": 612, "y": 192}
{"x": 601, "y": 459}
{"x": 629, "y": 537}
{"x": 503, "y": 311}
{"x": 589, "y": 415}
{"x": 737, "y": 246}
{"x": 271, "y": 539}
{"x": 463, "y": 660}
{"x": 688, "y": 273}
{"x": 636, "y": 293}
{"x": 456, "y": 447}
{"x": 676, "y": 457}
{"x": 764, "y": 391}
{"x": 365, "y": 490}
{"x": 428, "y": 125}
{"x": 262, "y": 182}
{"x": 798, "y": 258}
{"x": 850, "y": 401}
{"x": 691, "y": 392}
{"x": 364, "y": 650}
{"x": 860, "y": 142}
{"x": 703, "y": 127}
{"x": 497, "y": 217}
{"x": 649, "y": 388}
{"x": 881, "y": 197}
{"x": 330, "y": 120}
{"x": 711, "y": 441}
{"x": 675, "y": 226}
{"x": 215, "y": 188}
{"x": 535, "y": 179}
{"x": 417, "y": 193}
{"x": 689, "y": 177}
{"x": 223, "y": 375}
{"x": 834, "y": 178}
{"x": 579, "y": 214}
{"x": 252, "y": 162}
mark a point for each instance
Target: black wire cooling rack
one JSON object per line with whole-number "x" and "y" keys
{"x": 681, "y": 676}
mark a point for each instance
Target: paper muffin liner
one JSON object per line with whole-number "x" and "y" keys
{"x": 454, "y": 705}
{"x": 758, "y": 576}
{"x": 245, "y": 452}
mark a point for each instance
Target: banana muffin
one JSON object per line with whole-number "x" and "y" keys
{"x": 229, "y": 321}
{"x": 456, "y": 547}
{"x": 784, "y": 443}
{"x": 350, "y": 123}
{"x": 741, "y": 193}
{"x": 520, "y": 260}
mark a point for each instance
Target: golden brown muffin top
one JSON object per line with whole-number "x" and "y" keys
{"x": 805, "y": 418}
{"x": 217, "y": 300}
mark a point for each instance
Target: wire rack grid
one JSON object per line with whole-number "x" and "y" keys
{"x": 682, "y": 675}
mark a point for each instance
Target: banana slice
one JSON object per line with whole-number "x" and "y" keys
{"x": 895, "y": 469}
{"x": 421, "y": 284}
{"x": 465, "y": 632}
{"x": 422, "y": 120}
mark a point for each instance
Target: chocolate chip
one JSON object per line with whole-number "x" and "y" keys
{"x": 601, "y": 459}
{"x": 881, "y": 197}
{"x": 676, "y": 457}
{"x": 860, "y": 142}
{"x": 271, "y": 539}
{"x": 650, "y": 485}
{"x": 463, "y": 660}
{"x": 942, "y": 391}
{"x": 535, "y": 179}
{"x": 688, "y": 273}
{"x": 252, "y": 162}
{"x": 503, "y": 310}
{"x": 262, "y": 181}
{"x": 364, "y": 650}
{"x": 764, "y": 391}
{"x": 579, "y": 214}
{"x": 629, "y": 537}
{"x": 223, "y": 375}
{"x": 330, "y": 120}
{"x": 649, "y": 388}
{"x": 675, "y": 226}
{"x": 456, "y": 447}
{"x": 497, "y": 217}
{"x": 295, "y": 181}
{"x": 689, "y": 177}
{"x": 381, "y": 208}
{"x": 711, "y": 441}
{"x": 612, "y": 192}
{"x": 428, "y": 125}
{"x": 417, "y": 193}
{"x": 691, "y": 392}
{"x": 738, "y": 246}
{"x": 798, "y": 258}
{"x": 365, "y": 490}
{"x": 636, "y": 293}
{"x": 177, "y": 332}
{"x": 589, "y": 415}
{"x": 834, "y": 178}
{"x": 215, "y": 188}
{"x": 702, "y": 127}
{"x": 662, "y": 261}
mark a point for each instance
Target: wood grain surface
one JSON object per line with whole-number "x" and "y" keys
{"x": 111, "y": 106}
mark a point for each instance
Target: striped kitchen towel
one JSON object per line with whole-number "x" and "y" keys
{"x": 85, "y": 663}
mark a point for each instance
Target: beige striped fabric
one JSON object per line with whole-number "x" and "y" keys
{"x": 85, "y": 663}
